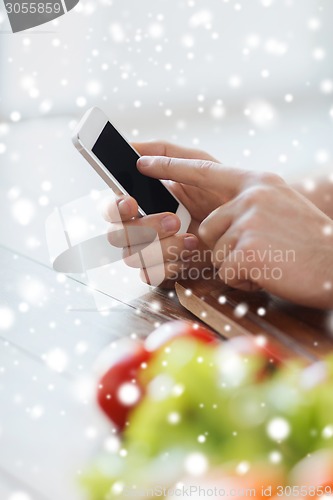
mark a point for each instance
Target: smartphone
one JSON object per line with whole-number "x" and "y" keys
{"x": 114, "y": 159}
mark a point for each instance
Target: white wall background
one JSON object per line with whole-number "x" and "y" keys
{"x": 164, "y": 54}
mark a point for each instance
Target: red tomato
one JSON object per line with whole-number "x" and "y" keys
{"x": 119, "y": 390}
{"x": 175, "y": 329}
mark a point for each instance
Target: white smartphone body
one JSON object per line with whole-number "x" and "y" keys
{"x": 114, "y": 159}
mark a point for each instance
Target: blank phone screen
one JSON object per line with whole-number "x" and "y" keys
{"x": 120, "y": 160}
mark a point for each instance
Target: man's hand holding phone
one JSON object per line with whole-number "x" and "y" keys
{"x": 177, "y": 249}
{"x": 263, "y": 234}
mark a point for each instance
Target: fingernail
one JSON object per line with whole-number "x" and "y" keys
{"x": 169, "y": 223}
{"x": 190, "y": 243}
{"x": 124, "y": 207}
{"x": 145, "y": 161}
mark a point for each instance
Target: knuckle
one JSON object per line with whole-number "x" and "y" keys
{"x": 256, "y": 195}
{"x": 251, "y": 221}
{"x": 249, "y": 243}
{"x": 205, "y": 166}
{"x": 165, "y": 145}
{"x": 203, "y": 230}
{"x": 270, "y": 178}
{"x": 161, "y": 147}
{"x": 167, "y": 163}
{"x": 263, "y": 178}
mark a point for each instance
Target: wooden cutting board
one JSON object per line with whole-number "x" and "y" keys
{"x": 295, "y": 331}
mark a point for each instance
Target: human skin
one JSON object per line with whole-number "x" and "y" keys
{"x": 237, "y": 214}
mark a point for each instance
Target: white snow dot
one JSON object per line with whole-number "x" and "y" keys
{"x": 93, "y": 87}
{"x": 128, "y": 394}
{"x": 43, "y": 201}
{"x": 326, "y": 86}
{"x": 81, "y": 101}
{"x": 261, "y": 311}
{"x": 218, "y": 111}
{"x": 314, "y": 24}
{"x": 45, "y": 106}
{"x": 14, "y": 193}
{"x": 156, "y": 30}
{"x": 267, "y": 3}
{"x": 15, "y": 116}
{"x": 242, "y": 468}
{"x": 81, "y": 347}
{"x": 275, "y": 457}
{"x": 178, "y": 390}
{"x": 322, "y": 156}
{"x": 19, "y": 495}
{"x": 276, "y": 47}
{"x": 76, "y": 227}
{"x": 327, "y": 432}
{"x": 328, "y": 230}
{"x": 241, "y": 310}
{"x": 196, "y": 464}
{"x": 318, "y": 54}
{"x": 23, "y": 307}
{"x": 112, "y": 444}
{"x": 46, "y": 186}
{"x": 261, "y": 113}
{"x": 289, "y": 98}
{"x": 261, "y": 340}
{"x": 200, "y": 18}
{"x": 253, "y": 41}
{"x": 187, "y": 41}
{"x": 117, "y": 488}
{"x": 23, "y": 211}
{"x": 32, "y": 290}
{"x": 7, "y": 318}
{"x": 2, "y": 148}
{"x": 174, "y": 418}
{"x": 56, "y": 359}
{"x": 309, "y": 185}
{"x": 90, "y": 432}
{"x": 278, "y": 429}
{"x": 36, "y": 412}
{"x": 201, "y": 438}
{"x": 235, "y": 82}
{"x": 4, "y": 128}
{"x": 117, "y": 32}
